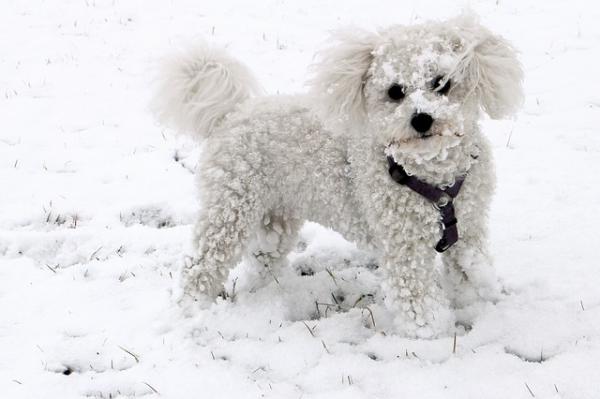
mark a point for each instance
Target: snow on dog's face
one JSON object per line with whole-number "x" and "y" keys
{"x": 418, "y": 89}
{"x": 414, "y": 99}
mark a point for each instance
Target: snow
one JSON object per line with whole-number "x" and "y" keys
{"x": 98, "y": 202}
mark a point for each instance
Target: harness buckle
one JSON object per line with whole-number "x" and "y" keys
{"x": 444, "y": 201}
{"x": 442, "y": 245}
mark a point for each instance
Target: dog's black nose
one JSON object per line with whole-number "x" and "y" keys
{"x": 421, "y": 122}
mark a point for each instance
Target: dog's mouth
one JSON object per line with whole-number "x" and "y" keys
{"x": 427, "y": 137}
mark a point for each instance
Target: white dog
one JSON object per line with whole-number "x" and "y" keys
{"x": 387, "y": 139}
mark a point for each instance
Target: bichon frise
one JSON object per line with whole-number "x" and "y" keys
{"x": 386, "y": 150}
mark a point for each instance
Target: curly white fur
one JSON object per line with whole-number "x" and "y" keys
{"x": 271, "y": 163}
{"x": 199, "y": 87}
{"x": 342, "y": 72}
{"x": 489, "y": 62}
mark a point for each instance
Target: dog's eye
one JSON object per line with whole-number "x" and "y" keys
{"x": 396, "y": 92}
{"x": 435, "y": 85}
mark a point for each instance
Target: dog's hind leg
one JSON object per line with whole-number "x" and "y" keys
{"x": 275, "y": 237}
{"x": 220, "y": 235}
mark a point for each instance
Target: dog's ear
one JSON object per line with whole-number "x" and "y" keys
{"x": 340, "y": 73}
{"x": 489, "y": 63}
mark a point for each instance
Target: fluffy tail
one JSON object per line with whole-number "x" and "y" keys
{"x": 199, "y": 88}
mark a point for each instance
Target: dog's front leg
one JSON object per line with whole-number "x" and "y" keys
{"x": 413, "y": 293}
{"x": 468, "y": 266}
{"x": 470, "y": 275}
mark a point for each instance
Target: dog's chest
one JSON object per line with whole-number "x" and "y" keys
{"x": 392, "y": 209}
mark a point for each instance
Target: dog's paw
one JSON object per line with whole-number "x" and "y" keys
{"x": 191, "y": 304}
{"x": 427, "y": 319}
{"x": 465, "y": 293}
{"x": 200, "y": 286}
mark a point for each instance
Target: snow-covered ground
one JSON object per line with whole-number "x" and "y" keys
{"x": 97, "y": 204}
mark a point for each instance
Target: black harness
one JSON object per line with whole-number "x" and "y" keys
{"x": 442, "y": 199}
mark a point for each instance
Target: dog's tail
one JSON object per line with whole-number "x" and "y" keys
{"x": 199, "y": 88}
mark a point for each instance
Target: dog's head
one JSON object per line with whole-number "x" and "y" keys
{"x": 419, "y": 87}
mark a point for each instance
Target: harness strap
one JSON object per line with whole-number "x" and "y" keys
{"x": 442, "y": 199}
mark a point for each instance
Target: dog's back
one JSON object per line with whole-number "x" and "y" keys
{"x": 276, "y": 149}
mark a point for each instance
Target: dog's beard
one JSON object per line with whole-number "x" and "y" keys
{"x": 419, "y": 149}
{"x": 437, "y": 159}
